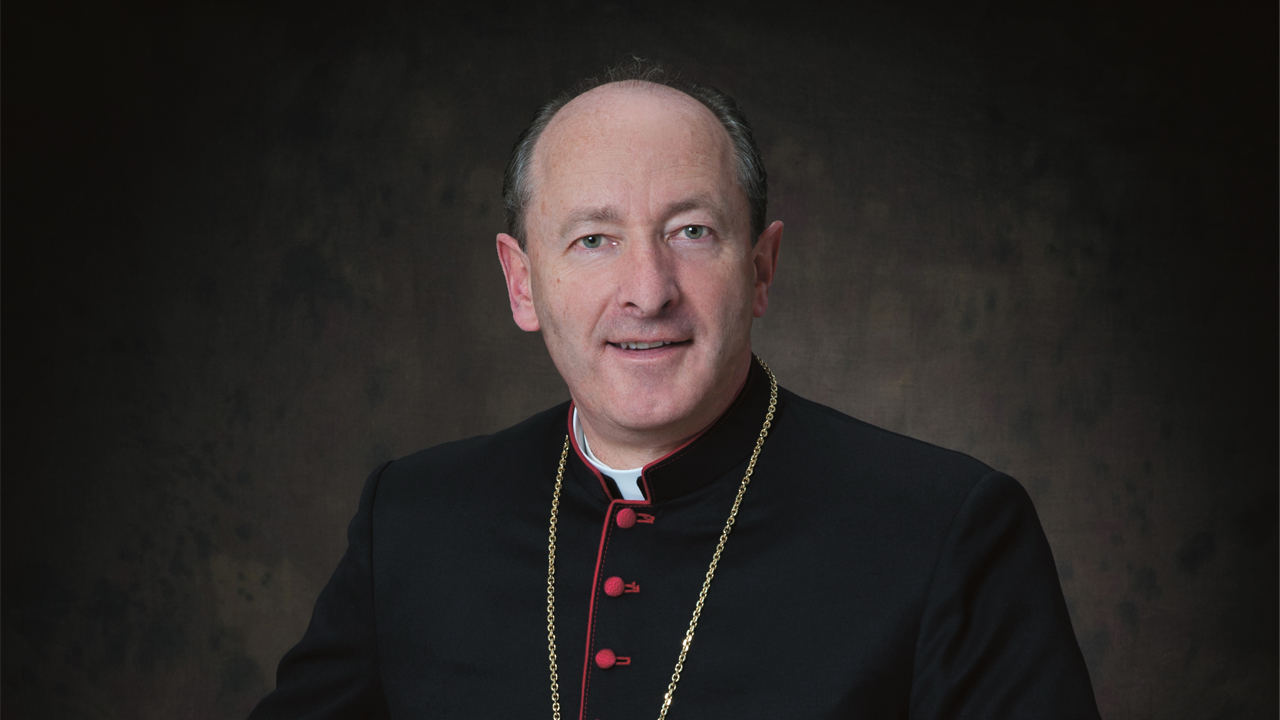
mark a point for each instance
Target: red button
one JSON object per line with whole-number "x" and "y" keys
{"x": 626, "y": 518}
{"x": 605, "y": 659}
{"x": 613, "y": 586}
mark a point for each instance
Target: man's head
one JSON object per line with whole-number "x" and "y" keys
{"x": 639, "y": 260}
{"x": 749, "y": 165}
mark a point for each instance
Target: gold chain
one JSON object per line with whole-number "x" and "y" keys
{"x": 551, "y": 585}
{"x": 706, "y": 584}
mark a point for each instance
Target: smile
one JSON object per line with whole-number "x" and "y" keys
{"x": 646, "y": 345}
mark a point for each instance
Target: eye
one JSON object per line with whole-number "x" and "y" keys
{"x": 695, "y": 232}
{"x": 591, "y": 242}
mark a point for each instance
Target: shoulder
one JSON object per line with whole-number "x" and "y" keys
{"x": 850, "y": 456}
{"x": 846, "y": 439}
{"x": 491, "y": 463}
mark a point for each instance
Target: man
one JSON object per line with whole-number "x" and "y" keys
{"x": 684, "y": 535}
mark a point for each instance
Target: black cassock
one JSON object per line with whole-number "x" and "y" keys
{"x": 868, "y": 575}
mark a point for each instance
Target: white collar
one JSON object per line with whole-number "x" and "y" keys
{"x": 628, "y": 480}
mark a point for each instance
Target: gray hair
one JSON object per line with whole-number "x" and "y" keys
{"x": 516, "y": 183}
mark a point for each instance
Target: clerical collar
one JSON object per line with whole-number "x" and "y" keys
{"x": 628, "y": 481}
{"x": 720, "y": 448}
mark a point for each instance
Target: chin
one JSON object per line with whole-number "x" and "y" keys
{"x": 643, "y": 411}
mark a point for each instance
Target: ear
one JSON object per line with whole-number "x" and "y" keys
{"x": 765, "y": 258}
{"x": 516, "y": 269}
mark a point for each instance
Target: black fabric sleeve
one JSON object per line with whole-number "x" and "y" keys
{"x": 333, "y": 671}
{"x": 995, "y": 638}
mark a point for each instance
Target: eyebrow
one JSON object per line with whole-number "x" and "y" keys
{"x": 587, "y": 216}
{"x": 697, "y": 202}
{"x": 610, "y": 214}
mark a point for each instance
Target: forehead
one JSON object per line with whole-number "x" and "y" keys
{"x": 627, "y": 136}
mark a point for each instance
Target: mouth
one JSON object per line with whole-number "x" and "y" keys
{"x": 652, "y": 345}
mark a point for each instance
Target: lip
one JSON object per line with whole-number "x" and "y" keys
{"x": 621, "y": 344}
{"x": 652, "y": 353}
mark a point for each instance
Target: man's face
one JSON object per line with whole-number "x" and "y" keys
{"x": 641, "y": 272}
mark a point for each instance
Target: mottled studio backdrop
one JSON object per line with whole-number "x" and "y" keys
{"x": 248, "y": 254}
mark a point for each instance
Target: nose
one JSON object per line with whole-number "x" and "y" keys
{"x": 648, "y": 284}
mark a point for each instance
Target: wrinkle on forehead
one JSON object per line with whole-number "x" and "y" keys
{"x": 632, "y": 118}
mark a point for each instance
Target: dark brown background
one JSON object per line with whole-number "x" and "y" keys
{"x": 248, "y": 254}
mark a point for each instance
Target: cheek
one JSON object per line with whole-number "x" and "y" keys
{"x": 722, "y": 292}
{"x": 544, "y": 291}
{"x": 566, "y": 307}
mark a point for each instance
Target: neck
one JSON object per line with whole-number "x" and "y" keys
{"x": 624, "y": 455}
{"x": 624, "y": 448}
